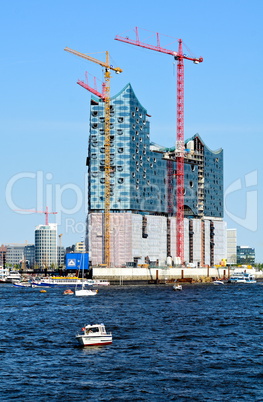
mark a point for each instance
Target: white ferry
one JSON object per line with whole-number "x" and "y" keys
{"x": 242, "y": 277}
{"x": 67, "y": 281}
{"x": 13, "y": 276}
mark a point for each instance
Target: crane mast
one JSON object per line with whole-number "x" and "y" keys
{"x": 179, "y": 56}
{"x": 180, "y": 155}
{"x": 105, "y": 96}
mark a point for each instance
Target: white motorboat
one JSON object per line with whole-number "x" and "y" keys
{"x": 242, "y": 277}
{"x": 13, "y": 276}
{"x": 21, "y": 284}
{"x": 98, "y": 282}
{"x": 85, "y": 292}
{"x": 94, "y": 335}
{"x": 82, "y": 291}
{"x": 177, "y": 287}
{"x": 218, "y": 282}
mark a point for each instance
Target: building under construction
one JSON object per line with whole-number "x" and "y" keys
{"x": 142, "y": 218}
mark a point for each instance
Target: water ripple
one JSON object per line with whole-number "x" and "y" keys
{"x": 202, "y": 344}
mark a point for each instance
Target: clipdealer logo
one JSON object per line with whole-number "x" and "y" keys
{"x": 55, "y": 195}
{"x": 250, "y": 202}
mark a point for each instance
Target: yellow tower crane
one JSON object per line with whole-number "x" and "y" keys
{"x": 106, "y": 98}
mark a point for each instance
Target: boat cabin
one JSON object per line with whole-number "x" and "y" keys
{"x": 95, "y": 329}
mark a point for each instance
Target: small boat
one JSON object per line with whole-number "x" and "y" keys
{"x": 218, "y": 282}
{"x": 21, "y": 284}
{"x": 85, "y": 292}
{"x": 97, "y": 282}
{"x": 94, "y": 335}
{"x": 177, "y": 287}
{"x": 68, "y": 292}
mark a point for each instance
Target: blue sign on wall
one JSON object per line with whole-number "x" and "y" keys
{"x": 77, "y": 261}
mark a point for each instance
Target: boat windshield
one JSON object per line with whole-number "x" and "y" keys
{"x": 95, "y": 329}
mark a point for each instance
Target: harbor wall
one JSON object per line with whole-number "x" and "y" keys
{"x": 165, "y": 273}
{"x": 149, "y": 274}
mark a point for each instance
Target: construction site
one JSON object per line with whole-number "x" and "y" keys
{"x": 149, "y": 206}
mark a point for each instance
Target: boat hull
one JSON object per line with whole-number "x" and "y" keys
{"x": 242, "y": 281}
{"x": 22, "y": 284}
{"x": 68, "y": 292}
{"x": 86, "y": 340}
{"x": 85, "y": 292}
{"x": 43, "y": 284}
{"x": 177, "y": 287}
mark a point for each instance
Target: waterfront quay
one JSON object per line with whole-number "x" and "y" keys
{"x": 166, "y": 274}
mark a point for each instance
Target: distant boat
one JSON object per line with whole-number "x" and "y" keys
{"x": 242, "y": 277}
{"x": 69, "y": 281}
{"x": 83, "y": 291}
{"x": 97, "y": 282}
{"x": 21, "y": 284}
{"x": 60, "y": 281}
{"x": 13, "y": 276}
{"x": 177, "y": 287}
{"x": 218, "y": 282}
{"x": 94, "y": 335}
{"x": 68, "y": 292}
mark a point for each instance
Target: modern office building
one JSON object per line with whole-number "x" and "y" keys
{"x": 245, "y": 255}
{"x": 80, "y": 247}
{"x": 29, "y": 255}
{"x": 46, "y": 245}
{"x": 231, "y": 246}
{"x": 143, "y": 190}
{"x": 15, "y": 254}
{"x": 61, "y": 256}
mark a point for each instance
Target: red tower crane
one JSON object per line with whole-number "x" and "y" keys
{"x": 179, "y": 56}
{"x": 94, "y": 90}
{"x": 39, "y": 212}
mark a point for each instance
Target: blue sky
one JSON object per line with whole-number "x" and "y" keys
{"x": 45, "y": 115}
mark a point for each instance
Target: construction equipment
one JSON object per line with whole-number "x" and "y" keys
{"x": 39, "y": 212}
{"x": 105, "y": 96}
{"x": 179, "y": 153}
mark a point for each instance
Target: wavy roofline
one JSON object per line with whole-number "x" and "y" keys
{"x": 216, "y": 151}
{"x": 97, "y": 99}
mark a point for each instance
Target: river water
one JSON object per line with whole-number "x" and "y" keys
{"x": 201, "y": 344}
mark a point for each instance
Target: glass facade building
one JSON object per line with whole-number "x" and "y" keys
{"x": 29, "y": 254}
{"x": 245, "y": 255}
{"x": 143, "y": 174}
{"x": 14, "y": 254}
